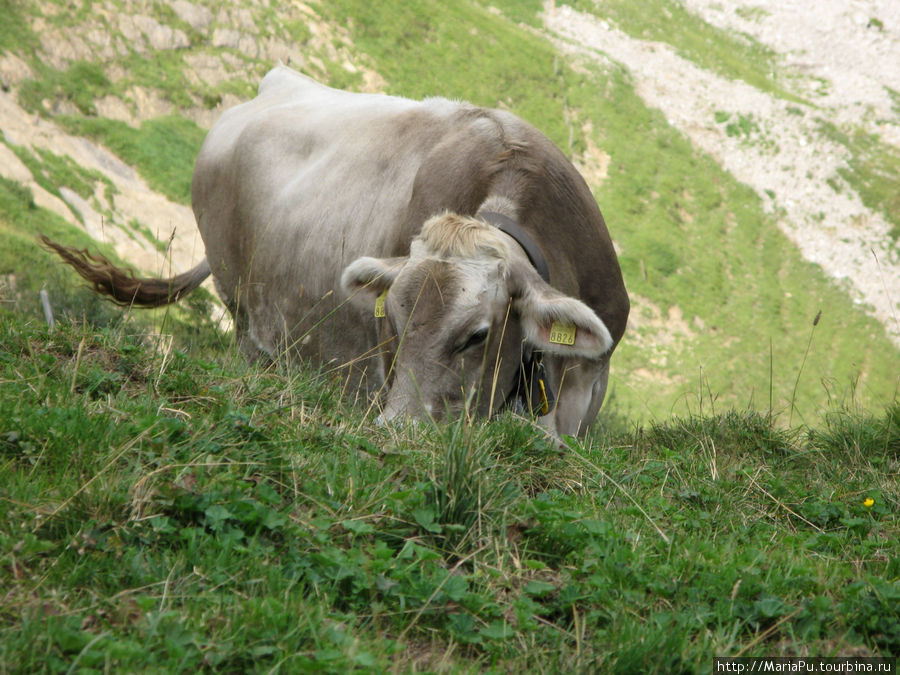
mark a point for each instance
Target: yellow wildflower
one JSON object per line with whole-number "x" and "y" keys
{"x": 868, "y": 501}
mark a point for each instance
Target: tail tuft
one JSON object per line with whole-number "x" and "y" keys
{"x": 121, "y": 285}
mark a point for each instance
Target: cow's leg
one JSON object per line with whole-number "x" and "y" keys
{"x": 241, "y": 319}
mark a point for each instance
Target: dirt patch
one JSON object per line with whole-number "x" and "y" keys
{"x": 650, "y": 324}
{"x": 593, "y": 163}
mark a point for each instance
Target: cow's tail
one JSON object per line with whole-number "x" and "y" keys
{"x": 121, "y": 285}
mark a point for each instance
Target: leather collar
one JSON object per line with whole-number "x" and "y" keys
{"x": 514, "y": 230}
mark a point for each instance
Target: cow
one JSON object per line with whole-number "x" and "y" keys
{"x": 446, "y": 256}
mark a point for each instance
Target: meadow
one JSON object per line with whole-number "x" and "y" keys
{"x": 171, "y": 511}
{"x": 167, "y": 507}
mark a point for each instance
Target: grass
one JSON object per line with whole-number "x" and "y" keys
{"x": 52, "y": 171}
{"x": 163, "y": 149}
{"x": 170, "y": 512}
{"x": 873, "y": 171}
{"x": 735, "y": 56}
{"x": 516, "y": 69}
{"x": 15, "y": 31}
{"x": 81, "y": 84}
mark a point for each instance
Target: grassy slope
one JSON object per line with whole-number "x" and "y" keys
{"x": 873, "y": 172}
{"x": 874, "y": 167}
{"x": 168, "y": 512}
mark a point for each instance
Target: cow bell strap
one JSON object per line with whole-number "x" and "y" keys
{"x": 514, "y": 230}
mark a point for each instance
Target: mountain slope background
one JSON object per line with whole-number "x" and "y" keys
{"x": 742, "y": 205}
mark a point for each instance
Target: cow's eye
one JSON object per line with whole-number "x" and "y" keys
{"x": 475, "y": 339}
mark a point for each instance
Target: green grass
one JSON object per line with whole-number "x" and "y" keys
{"x": 163, "y": 149}
{"x": 162, "y": 72}
{"x": 873, "y": 171}
{"x": 80, "y": 84}
{"x": 737, "y": 57}
{"x": 895, "y": 100}
{"x": 52, "y": 171}
{"x": 407, "y": 40}
{"x": 518, "y": 11}
{"x": 15, "y": 30}
{"x": 168, "y": 512}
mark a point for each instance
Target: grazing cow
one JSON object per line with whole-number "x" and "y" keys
{"x": 449, "y": 252}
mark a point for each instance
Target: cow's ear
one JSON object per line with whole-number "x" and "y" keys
{"x": 557, "y": 323}
{"x": 365, "y": 278}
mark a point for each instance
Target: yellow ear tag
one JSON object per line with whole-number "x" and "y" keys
{"x": 562, "y": 333}
{"x": 379, "y": 304}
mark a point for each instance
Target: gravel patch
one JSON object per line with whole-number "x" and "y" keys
{"x": 844, "y": 53}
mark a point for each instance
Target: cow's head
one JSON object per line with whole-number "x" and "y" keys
{"x": 460, "y": 307}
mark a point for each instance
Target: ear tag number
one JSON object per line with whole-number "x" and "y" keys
{"x": 379, "y": 305}
{"x": 562, "y": 333}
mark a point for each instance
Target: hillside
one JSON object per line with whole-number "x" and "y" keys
{"x": 744, "y": 196}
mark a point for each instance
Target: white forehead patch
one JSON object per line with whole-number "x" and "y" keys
{"x": 453, "y": 236}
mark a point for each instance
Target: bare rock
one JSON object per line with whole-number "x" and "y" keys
{"x": 93, "y": 221}
{"x": 148, "y": 104}
{"x": 226, "y": 37}
{"x": 159, "y": 35}
{"x": 12, "y": 166}
{"x": 207, "y": 68}
{"x": 199, "y": 18}
{"x": 13, "y": 70}
{"x": 103, "y": 43}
